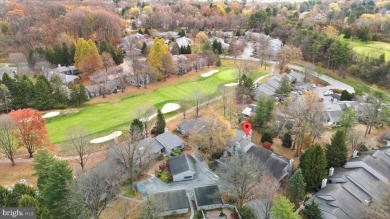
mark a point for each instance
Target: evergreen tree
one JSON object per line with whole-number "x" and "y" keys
{"x": 5, "y": 99}
{"x": 140, "y": 31}
{"x": 56, "y": 189}
{"x": 26, "y": 92}
{"x": 337, "y": 151}
{"x": 66, "y": 60}
{"x": 284, "y": 87}
{"x": 60, "y": 94}
{"x": 188, "y": 50}
{"x": 43, "y": 160}
{"x": 314, "y": 166}
{"x": 5, "y": 197}
{"x": 146, "y": 31}
{"x": 263, "y": 112}
{"x": 182, "y": 33}
{"x": 17, "y": 192}
{"x": 72, "y": 51}
{"x": 118, "y": 56}
{"x": 267, "y": 137}
{"x": 160, "y": 124}
{"x": 78, "y": 95}
{"x": 282, "y": 208}
{"x": 287, "y": 140}
{"x": 296, "y": 187}
{"x": 57, "y": 55}
{"x": 43, "y": 98}
{"x": 312, "y": 211}
{"x": 29, "y": 201}
{"x": 144, "y": 48}
{"x": 136, "y": 127}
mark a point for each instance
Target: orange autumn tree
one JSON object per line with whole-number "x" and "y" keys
{"x": 31, "y": 132}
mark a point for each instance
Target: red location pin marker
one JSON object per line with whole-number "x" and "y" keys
{"x": 246, "y": 126}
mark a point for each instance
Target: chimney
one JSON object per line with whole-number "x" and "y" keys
{"x": 331, "y": 171}
{"x": 59, "y": 65}
{"x": 323, "y": 184}
{"x": 354, "y": 154}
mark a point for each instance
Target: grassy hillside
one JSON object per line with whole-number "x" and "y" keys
{"x": 374, "y": 48}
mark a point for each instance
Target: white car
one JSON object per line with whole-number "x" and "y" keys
{"x": 328, "y": 92}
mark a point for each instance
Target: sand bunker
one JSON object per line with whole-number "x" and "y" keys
{"x": 170, "y": 107}
{"x": 208, "y": 74}
{"x": 106, "y": 138}
{"x": 231, "y": 84}
{"x": 50, "y": 114}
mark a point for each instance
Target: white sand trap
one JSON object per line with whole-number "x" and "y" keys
{"x": 170, "y": 107}
{"x": 208, "y": 74}
{"x": 106, "y": 138}
{"x": 231, "y": 84}
{"x": 50, "y": 114}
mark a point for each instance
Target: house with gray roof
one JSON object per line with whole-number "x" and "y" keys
{"x": 175, "y": 201}
{"x": 187, "y": 126}
{"x": 348, "y": 191}
{"x": 182, "y": 167}
{"x": 207, "y": 197}
{"x": 183, "y": 41}
{"x": 169, "y": 141}
{"x": 279, "y": 166}
{"x": 151, "y": 146}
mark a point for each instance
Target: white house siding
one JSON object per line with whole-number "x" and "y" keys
{"x": 178, "y": 211}
{"x": 210, "y": 207}
{"x": 181, "y": 176}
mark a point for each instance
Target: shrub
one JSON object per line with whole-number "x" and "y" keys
{"x": 218, "y": 154}
{"x": 221, "y": 214}
{"x": 170, "y": 178}
{"x": 176, "y": 152}
{"x": 266, "y": 137}
{"x": 162, "y": 166}
{"x": 247, "y": 213}
{"x": 287, "y": 141}
{"x": 218, "y": 63}
{"x": 267, "y": 145}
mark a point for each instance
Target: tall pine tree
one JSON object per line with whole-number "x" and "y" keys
{"x": 337, "y": 151}
{"x": 56, "y": 189}
{"x": 160, "y": 124}
{"x": 312, "y": 211}
{"x": 44, "y": 98}
{"x": 296, "y": 187}
{"x": 43, "y": 160}
{"x": 314, "y": 166}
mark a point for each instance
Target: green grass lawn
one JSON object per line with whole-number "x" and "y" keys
{"x": 374, "y": 48}
{"x": 102, "y": 119}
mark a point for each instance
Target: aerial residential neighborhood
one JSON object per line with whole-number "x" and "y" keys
{"x": 182, "y": 109}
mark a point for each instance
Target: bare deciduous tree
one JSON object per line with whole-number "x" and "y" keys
{"x": 355, "y": 137}
{"x": 244, "y": 67}
{"x": 7, "y": 141}
{"x": 262, "y": 206}
{"x": 196, "y": 99}
{"x": 99, "y": 187}
{"x": 306, "y": 114}
{"x": 212, "y": 138}
{"x": 242, "y": 176}
{"x": 133, "y": 156}
{"x": 264, "y": 43}
{"x": 145, "y": 113}
{"x": 17, "y": 59}
{"x": 151, "y": 208}
{"x": 371, "y": 111}
{"x": 78, "y": 139}
{"x": 185, "y": 105}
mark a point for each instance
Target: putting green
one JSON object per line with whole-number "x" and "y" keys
{"x": 104, "y": 118}
{"x": 373, "y": 49}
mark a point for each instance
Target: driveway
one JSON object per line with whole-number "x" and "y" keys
{"x": 203, "y": 177}
{"x": 333, "y": 82}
